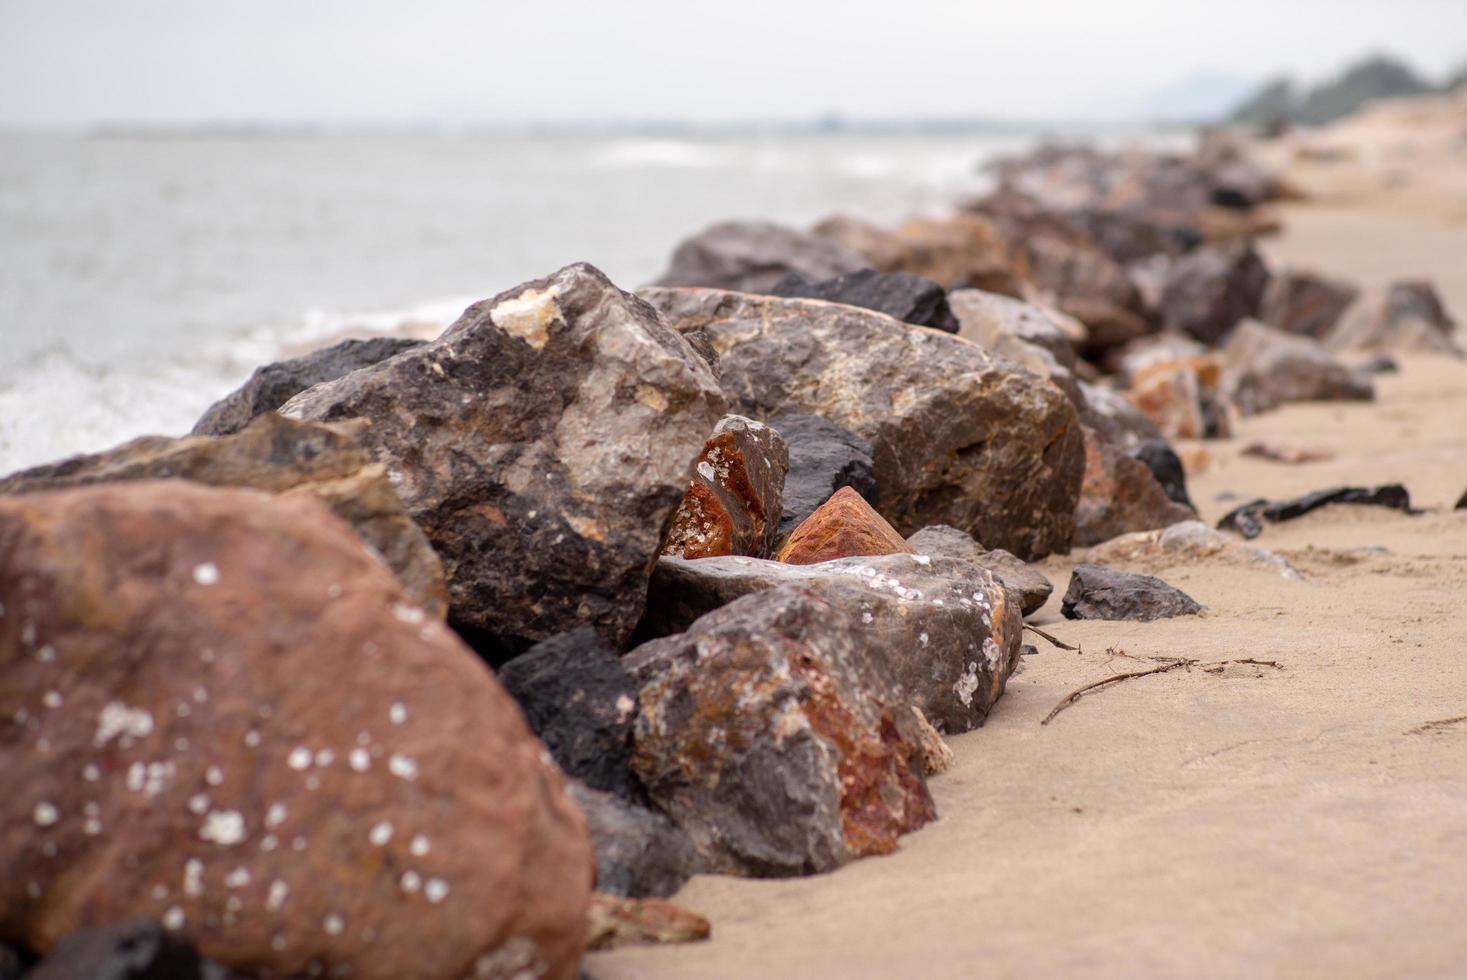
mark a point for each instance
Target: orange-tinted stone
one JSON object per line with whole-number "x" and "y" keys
{"x": 842, "y": 527}
{"x": 735, "y": 497}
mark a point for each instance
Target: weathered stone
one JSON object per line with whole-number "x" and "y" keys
{"x": 614, "y": 922}
{"x": 735, "y": 499}
{"x": 580, "y": 701}
{"x": 823, "y": 458}
{"x": 1408, "y": 315}
{"x": 638, "y": 852}
{"x": 1028, "y": 582}
{"x": 275, "y": 384}
{"x": 137, "y": 950}
{"x": 1184, "y": 398}
{"x": 1249, "y": 519}
{"x": 900, "y": 295}
{"x": 1042, "y": 340}
{"x": 947, "y": 629}
{"x": 959, "y": 437}
{"x": 1097, "y": 592}
{"x": 842, "y": 527}
{"x": 542, "y": 443}
{"x": 1120, "y": 495}
{"x": 277, "y": 455}
{"x": 882, "y": 249}
{"x": 937, "y": 755}
{"x": 1166, "y": 466}
{"x": 234, "y": 722}
{"x": 1306, "y": 303}
{"x": 1208, "y": 291}
{"x": 1188, "y": 542}
{"x": 1138, "y": 357}
{"x": 1265, "y": 367}
{"x": 773, "y": 737}
{"x": 961, "y": 250}
{"x": 751, "y": 256}
{"x": 1115, "y": 416}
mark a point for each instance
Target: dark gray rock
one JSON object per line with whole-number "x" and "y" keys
{"x": 1116, "y": 417}
{"x": 1249, "y": 519}
{"x": 1408, "y": 315}
{"x": 823, "y": 457}
{"x": 1380, "y": 364}
{"x": 1265, "y": 367}
{"x": 138, "y": 950}
{"x": 542, "y": 443}
{"x": 1098, "y": 592}
{"x": 1306, "y": 303}
{"x": 639, "y": 852}
{"x": 580, "y": 701}
{"x": 1209, "y": 291}
{"x": 13, "y": 962}
{"x": 1028, "y": 582}
{"x": 752, "y": 256}
{"x": 900, "y": 295}
{"x": 275, "y": 384}
{"x": 1166, "y": 466}
{"x": 1461, "y": 501}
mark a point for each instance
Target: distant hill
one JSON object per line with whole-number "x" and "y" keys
{"x": 1199, "y": 97}
{"x": 1279, "y": 101}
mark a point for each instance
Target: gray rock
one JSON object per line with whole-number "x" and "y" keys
{"x": 1097, "y": 592}
{"x": 1265, "y": 367}
{"x": 900, "y": 295}
{"x": 542, "y": 443}
{"x": 751, "y": 256}
{"x": 1116, "y": 417}
{"x": 1409, "y": 315}
{"x": 1039, "y": 339}
{"x": 275, "y": 384}
{"x": 941, "y": 541}
{"x": 823, "y": 457}
{"x": 1210, "y": 290}
{"x": 959, "y": 437}
{"x": 638, "y": 852}
{"x": 138, "y": 950}
{"x": 1306, "y": 303}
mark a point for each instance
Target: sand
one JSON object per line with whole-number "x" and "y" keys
{"x": 1309, "y": 821}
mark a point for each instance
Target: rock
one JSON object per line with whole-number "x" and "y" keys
{"x": 275, "y": 384}
{"x": 937, "y": 755}
{"x": 638, "y": 852}
{"x": 961, "y": 250}
{"x": 883, "y": 250}
{"x": 580, "y": 702}
{"x": 1305, "y": 303}
{"x": 276, "y": 455}
{"x": 959, "y": 437}
{"x": 1408, "y": 315}
{"x": 1028, "y": 582}
{"x": 947, "y": 630}
{"x": 1461, "y": 501}
{"x": 751, "y": 256}
{"x": 1042, "y": 340}
{"x": 1187, "y": 542}
{"x": 900, "y": 295}
{"x": 1248, "y": 519}
{"x": 770, "y": 734}
{"x": 1137, "y": 358}
{"x": 614, "y": 922}
{"x": 735, "y": 499}
{"x": 1097, "y": 592}
{"x": 137, "y": 950}
{"x": 189, "y": 752}
{"x": 1166, "y": 466}
{"x": 542, "y": 443}
{"x": 1115, "y": 416}
{"x": 1120, "y": 495}
{"x": 823, "y": 458}
{"x": 13, "y": 962}
{"x": 1208, "y": 291}
{"x": 1184, "y": 399}
{"x": 842, "y": 527}
{"x": 1265, "y": 368}
{"x": 1280, "y": 452}
{"x": 1379, "y": 364}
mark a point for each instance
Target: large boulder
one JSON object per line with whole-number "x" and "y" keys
{"x": 1306, "y": 303}
{"x": 275, "y": 384}
{"x": 277, "y": 455}
{"x": 823, "y": 458}
{"x": 1098, "y": 592}
{"x": 770, "y": 734}
{"x": 1265, "y": 367}
{"x": 843, "y": 526}
{"x": 1407, "y": 315}
{"x": 959, "y": 437}
{"x": 947, "y": 629}
{"x": 1021, "y": 578}
{"x": 900, "y": 295}
{"x": 1209, "y": 291}
{"x": 1042, "y": 340}
{"x": 188, "y": 752}
{"x": 735, "y": 499}
{"x": 638, "y": 852}
{"x": 542, "y": 442}
{"x": 751, "y": 256}
{"x": 1120, "y": 495}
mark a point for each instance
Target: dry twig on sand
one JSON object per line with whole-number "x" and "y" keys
{"x": 1164, "y": 665}
{"x": 1052, "y": 639}
{"x": 1436, "y": 726}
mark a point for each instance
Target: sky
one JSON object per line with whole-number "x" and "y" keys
{"x": 74, "y": 62}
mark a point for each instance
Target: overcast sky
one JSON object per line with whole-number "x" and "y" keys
{"x": 76, "y": 62}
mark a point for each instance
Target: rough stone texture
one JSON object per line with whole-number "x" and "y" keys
{"x": 232, "y": 721}
{"x": 1166, "y": 466}
{"x": 823, "y": 458}
{"x": 1265, "y": 367}
{"x": 137, "y": 950}
{"x": 1184, "y": 398}
{"x": 1028, "y": 582}
{"x": 959, "y": 437}
{"x": 842, "y": 527}
{"x": 615, "y": 921}
{"x": 543, "y": 443}
{"x": 1115, "y": 416}
{"x": 1135, "y": 359}
{"x": 1249, "y": 519}
{"x": 275, "y": 384}
{"x": 1187, "y": 543}
{"x": 1042, "y": 340}
{"x": 1306, "y": 303}
{"x": 1097, "y": 592}
{"x": 1208, "y": 291}
{"x": 961, "y": 250}
{"x": 774, "y": 738}
{"x": 1120, "y": 495}
{"x": 1406, "y": 316}
{"x": 947, "y": 629}
{"x": 638, "y": 852}
{"x": 751, "y": 256}
{"x": 277, "y": 455}
{"x": 883, "y": 250}
{"x": 736, "y": 496}
{"x": 900, "y": 295}
{"x": 580, "y": 701}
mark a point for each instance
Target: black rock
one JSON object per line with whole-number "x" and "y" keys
{"x": 581, "y": 703}
{"x": 1462, "y": 502}
{"x": 13, "y": 962}
{"x": 824, "y": 457}
{"x": 1098, "y": 592}
{"x": 138, "y": 950}
{"x": 1248, "y": 519}
{"x": 900, "y": 295}
{"x": 638, "y": 852}
{"x": 275, "y": 384}
{"x": 1166, "y": 466}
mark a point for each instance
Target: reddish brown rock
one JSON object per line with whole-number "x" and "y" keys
{"x": 1305, "y": 303}
{"x": 179, "y": 745}
{"x": 1183, "y": 398}
{"x": 1210, "y": 290}
{"x": 842, "y": 527}
{"x": 735, "y": 498}
{"x": 1120, "y": 495}
{"x": 614, "y": 921}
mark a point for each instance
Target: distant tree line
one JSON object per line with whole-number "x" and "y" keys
{"x": 1281, "y": 102}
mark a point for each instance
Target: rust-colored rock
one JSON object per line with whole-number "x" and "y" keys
{"x": 1120, "y": 495}
{"x": 223, "y": 714}
{"x": 735, "y": 498}
{"x": 842, "y": 527}
{"x": 1183, "y": 398}
{"x": 614, "y": 921}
